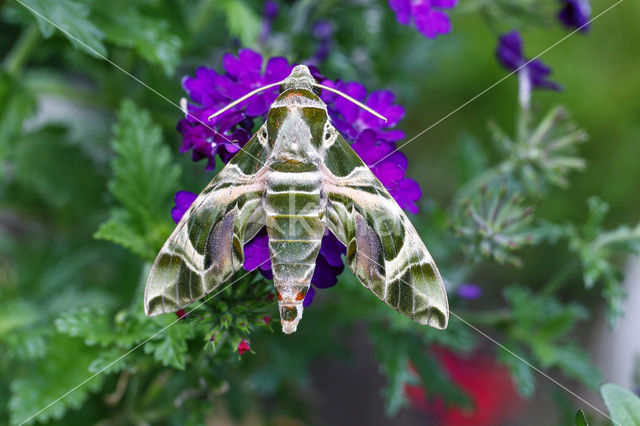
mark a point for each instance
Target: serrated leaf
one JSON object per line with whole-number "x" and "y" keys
{"x": 92, "y": 326}
{"x": 72, "y": 18}
{"x": 623, "y": 405}
{"x": 120, "y": 232}
{"x": 143, "y": 183}
{"x": 521, "y": 373}
{"x": 67, "y": 365}
{"x": 26, "y": 345}
{"x": 171, "y": 348}
{"x": 149, "y": 36}
{"x": 109, "y": 361}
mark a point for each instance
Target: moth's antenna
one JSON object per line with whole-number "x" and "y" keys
{"x": 355, "y": 101}
{"x": 247, "y": 96}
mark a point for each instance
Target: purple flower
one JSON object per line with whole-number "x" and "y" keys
{"x": 210, "y": 91}
{"x": 270, "y": 11}
{"x": 350, "y": 119}
{"x": 575, "y": 14}
{"x": 323, "y": 32}
{"x": 256, "y": 254}
{"x": 183, "y": 200}
{"x": 427, "y": 15}
{"x": 469, "y": 291}
{"x": 511, "y": 56}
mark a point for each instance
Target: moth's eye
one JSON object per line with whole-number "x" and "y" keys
{"x": 327, "y": 136}
{"x": 264, "y": 134}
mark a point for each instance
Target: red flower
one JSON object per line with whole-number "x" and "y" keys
{"x": 243, "y": 347}
{"x": 181, "y": 313}
{"x": 487, "y": 384}
{"x": 267, "y": 320}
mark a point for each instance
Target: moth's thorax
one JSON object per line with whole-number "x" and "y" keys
{"x": 295, "y": 128}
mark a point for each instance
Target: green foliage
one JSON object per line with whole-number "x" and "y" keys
{"x": 541, "y": 324}
{"x": 144, "y": 179}
{"x": 70, "y": 17}
{"x": 18, "y": 104}
{"x": 598, "y": 250}
{"x": 581, "y": 419}
{"x": 66, "y": 365}
{"x": 70, "y": 305}
{"x": 150, "y": 36}
{"x": 623, "y": 405}
{"x": 242, "y": 21}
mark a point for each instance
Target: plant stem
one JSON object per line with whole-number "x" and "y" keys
{"x": 21, "y": 50}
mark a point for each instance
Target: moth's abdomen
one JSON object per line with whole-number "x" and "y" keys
{"x": 294, "y": 207}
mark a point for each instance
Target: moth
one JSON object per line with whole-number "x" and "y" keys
{"x": 298, "y": 176}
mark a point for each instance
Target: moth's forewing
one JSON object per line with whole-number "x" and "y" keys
{"x": 384, "y": 250}
{"x": 206, "y": 247}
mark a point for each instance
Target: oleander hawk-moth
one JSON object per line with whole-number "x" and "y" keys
{"x": 297, "y": 176}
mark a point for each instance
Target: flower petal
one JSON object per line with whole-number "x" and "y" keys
{"x": 509, "y": 51}
{"x": 402, "y": 9}
{"x": 308, "y": 298}
{"x": 256, "y": 252}
{"x": 183, "y": 200}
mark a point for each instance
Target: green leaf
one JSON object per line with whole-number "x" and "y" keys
{"x": 435, "y": 379}
{"x": 110, "y": 361}
{"x": 242, "y": 22}
{"x": 18, "y": 103}
{"x": 118, "y": 230}
{"x": 47, "y": 153}
{"x": 393, "y": 355}
{"x": 623, "y": 405}
{"x": 66, "y": 366}
{"x": 26, "y": 345}
{"x": 72, "y": 18}
{"x": 521, "y": 373}
{"x": 15, "y": 315}
{"x": 143, "y": 183}
{"x": 171, "y": 348}
{"x": 581, "y": 420}
{"x": 91, "y": 325}
{"x": 149, "y": 36}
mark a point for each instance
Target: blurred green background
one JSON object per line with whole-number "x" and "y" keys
{"x": 58, "y": 108}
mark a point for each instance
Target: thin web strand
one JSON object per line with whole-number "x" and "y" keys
{"x": 496, "y": 83}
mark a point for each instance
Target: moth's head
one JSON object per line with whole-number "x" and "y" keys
{"x": 299, "y": 79}
{"x": 298, "y": 115}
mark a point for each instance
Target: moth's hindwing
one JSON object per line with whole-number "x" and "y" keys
{"x": 384, "y": 250}
{"x": 206, "y": 247}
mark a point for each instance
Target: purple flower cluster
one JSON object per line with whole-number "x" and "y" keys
{"x": 427, "y": 15}
{"x": 511, "y": 56}
{"x": 372, "y": 140}
{"x": 211, "y": 91}
{"x": 575, "y": 14}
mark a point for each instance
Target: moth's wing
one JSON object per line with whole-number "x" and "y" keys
{"x": 207, "y": 245}
{"x": 384, "y": 250}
